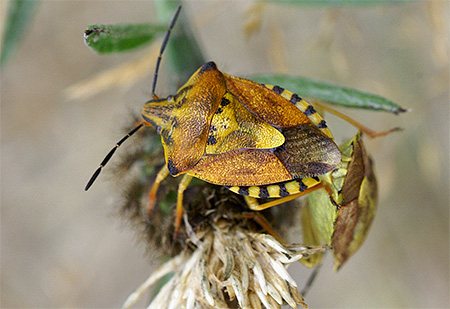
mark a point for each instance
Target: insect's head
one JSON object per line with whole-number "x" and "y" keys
{"x": 195, "y": 102}
{"x": 159, "y": 112}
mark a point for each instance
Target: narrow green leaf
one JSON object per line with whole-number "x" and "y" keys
{"x": 20, "y": 13}
{"x": 121, "y": 37}
{"x": 331, "y": 93}
{"x": 335, "y": 2}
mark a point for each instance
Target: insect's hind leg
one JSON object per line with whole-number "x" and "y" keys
{"x": 370, "y": 133}
{"x": 262, "y": 221}
{"x": 254, "y": 204}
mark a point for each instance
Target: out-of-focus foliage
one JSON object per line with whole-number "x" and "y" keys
{"x": 331, "y": 93}
{"x": 19, "y": 16}
{"x": 337, "y": 3}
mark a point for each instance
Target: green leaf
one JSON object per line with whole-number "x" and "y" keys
{"x": 331, "y": 93}
{"x": 20, "y": 13}
{"x": 121, "y": 37}
{"x": 334, "y": 2}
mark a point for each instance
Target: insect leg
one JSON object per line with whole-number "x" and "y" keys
{"x": 361, "y": 127}
{"x": 162, "y": 174}
{"x": 184, "y": 183}
{"x": 262, "y": 221}
{"x": 254, "y": 205}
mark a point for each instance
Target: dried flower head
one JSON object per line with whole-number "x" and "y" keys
{"x": 230, "y": 266}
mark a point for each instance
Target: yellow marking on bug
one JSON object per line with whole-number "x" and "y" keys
{"x": 234, "y": 189}
{"x": 316, "y": 118}
{"x": 254, "y": 191}
{"x": 292, "y": 187}
{"x": 234, "y": 127}
{"x": 274, "y": 190}
{"x": 303, "y": 106}
{"x": 310, "y": 182}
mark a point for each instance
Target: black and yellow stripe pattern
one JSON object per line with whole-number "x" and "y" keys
{"x": 277, "y": 190}
{"x": 303, "y": 106}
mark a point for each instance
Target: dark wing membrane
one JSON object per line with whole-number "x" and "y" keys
{"x": 307, "y": 152}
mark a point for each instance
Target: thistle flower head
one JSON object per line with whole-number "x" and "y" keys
{"x": 229, "y": 266}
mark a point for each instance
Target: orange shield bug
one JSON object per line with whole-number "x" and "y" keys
{"x": 258, "y": 140}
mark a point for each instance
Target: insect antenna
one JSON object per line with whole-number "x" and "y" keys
{"x": 163, "y": 47}
{"x": 109, "y": 155}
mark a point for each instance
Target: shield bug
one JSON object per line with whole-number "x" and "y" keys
{"x": 353, "y": 188}
{"x": 258, "y": 140}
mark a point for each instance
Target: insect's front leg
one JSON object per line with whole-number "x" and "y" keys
{"x": 162, "y": 174}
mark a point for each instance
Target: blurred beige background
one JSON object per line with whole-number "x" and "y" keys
{"x": 63, "y": 247}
